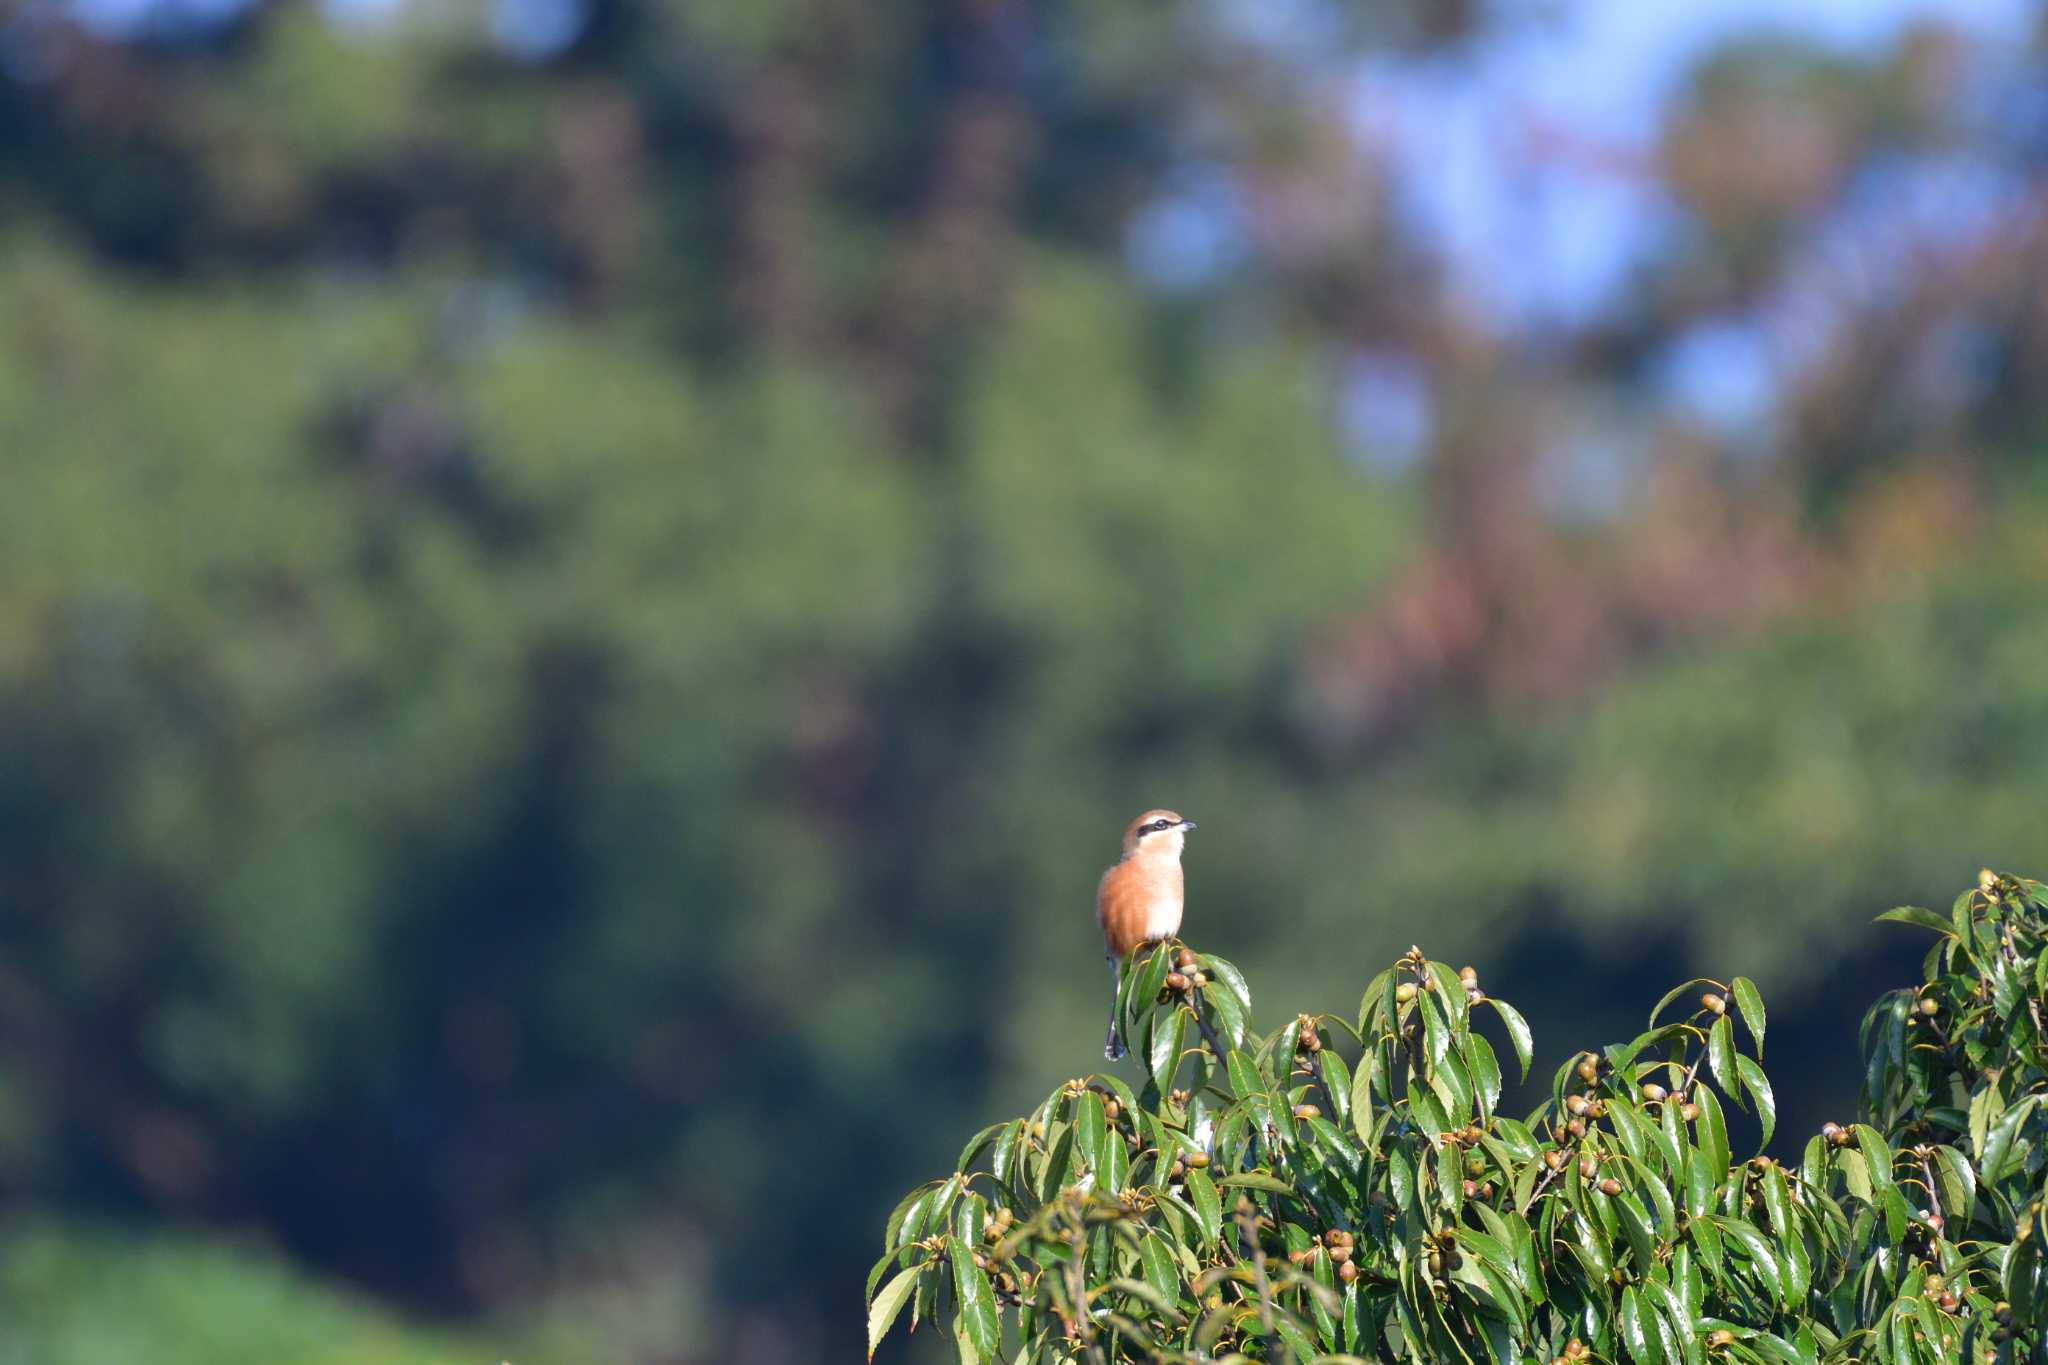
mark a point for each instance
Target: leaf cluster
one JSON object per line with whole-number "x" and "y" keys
{"x": 1345, "y": 1187}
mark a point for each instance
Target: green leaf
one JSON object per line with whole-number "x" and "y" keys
{"x": 1361, "y": 1095}
{"x": 1229, "y": 1012}
{"x": 1957, "y": 1184}
{"x": 1752, "y": 1006}
{"x": 1450, "y": 991}
{"x": 1664, "y": 1002}
{"x": 1115, "y": 1171}
{"x": 976, "y": 1306}
{"x": 1759, "y": 1087}
{"x": 1337, "y": 1081}
{"x": 1245, "y": 1079}
{"x": 1721, "y": 1054}
{"x": 1255, "y": 1180}
{"x": 1224, "y": 973}
{"x": 1592, "y": 1248}
{"x": 1296, "y": 1339}
{"x": 1998, "y": 1144}
{"x": 1484, "y": 1069}
{"x": 1428, "y": 1113}
{"x": 1375, "y": 1003}
{"x": 1877, "y": 1157}
{"x": 1985, "y": 1107}
{"x": 1629, "y": 1128}
{"x": 882, "y": 1312}
{"x": 1208, "y": 1204}
{"x": 1518, "y": 1032}
{"x": 1635, "y": 1225}
{"x": 1436, "y": 1030}
{"x": 1090, "y": 1124}
{"x": 1642, "y": 1344}
{"x": 1142, "y": 984}
{"x": 976, "y": 1143}
{"x": 906, "y": 1221}
{"x": 1711, "y": 1135}
{"x": 1401, "y": 1179}
{"x": 1758, "y": 1249}
{"x": 1913, "y": 914}
{"x": 1164, "y": 1057}
{"x": 1162, "y": 1272}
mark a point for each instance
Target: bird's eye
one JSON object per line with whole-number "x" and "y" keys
{"x": 1161, "y": 824}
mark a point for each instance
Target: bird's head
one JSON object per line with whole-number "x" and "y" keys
{"x": 1157, "y": 832}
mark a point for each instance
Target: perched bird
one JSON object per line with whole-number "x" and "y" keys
{"x": 1139, "y": 900}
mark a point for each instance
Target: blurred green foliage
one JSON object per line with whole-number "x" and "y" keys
{"x": 77, "y": 1296}
{"x": 571, "y": 620}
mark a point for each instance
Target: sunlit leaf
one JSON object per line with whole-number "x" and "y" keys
{"x": 1518, "y": 1032}
{"x": 1752, "y": 1006}
{"x": 887, "y": 1304}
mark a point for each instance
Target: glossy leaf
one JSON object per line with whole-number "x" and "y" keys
{"x": 975, "y": 1302}
{"x": 1752, "y": 1006}
{"x": 1518, "y": 1032}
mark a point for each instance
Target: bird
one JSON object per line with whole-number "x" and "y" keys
{"x": 1139, "y": 899}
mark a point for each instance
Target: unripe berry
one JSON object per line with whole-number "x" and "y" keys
{"x": 1589, "y": 1071}
{"x": 1589, "y": 1166}
{"x": 1186, "y": 959}
{"x": 1346, "y": 1271}
{"x": 1610, "y": 1187}
{"x": 1713, "y": 1003}
{"x": 1175, "y": 981}
{"x": 1307, "y": 1111}
{"x": 1654, "y": 1093}
{"x": 1404, "y": 992}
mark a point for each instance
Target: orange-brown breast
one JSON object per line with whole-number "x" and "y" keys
{"x": 1139, "y": 901}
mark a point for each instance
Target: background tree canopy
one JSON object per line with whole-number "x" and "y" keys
{"x": 585, "y": 584}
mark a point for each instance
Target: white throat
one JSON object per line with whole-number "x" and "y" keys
{"x": 1167, "y": 844}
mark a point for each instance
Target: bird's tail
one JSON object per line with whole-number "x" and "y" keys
{"x": 1113, "y": 1044}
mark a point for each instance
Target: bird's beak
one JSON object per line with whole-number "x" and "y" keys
{"x": 1187, "y": 824}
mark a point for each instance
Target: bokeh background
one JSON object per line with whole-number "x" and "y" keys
{"x": 586, "y": 586}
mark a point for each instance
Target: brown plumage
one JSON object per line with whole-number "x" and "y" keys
{"x": 1140, "y": 899}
